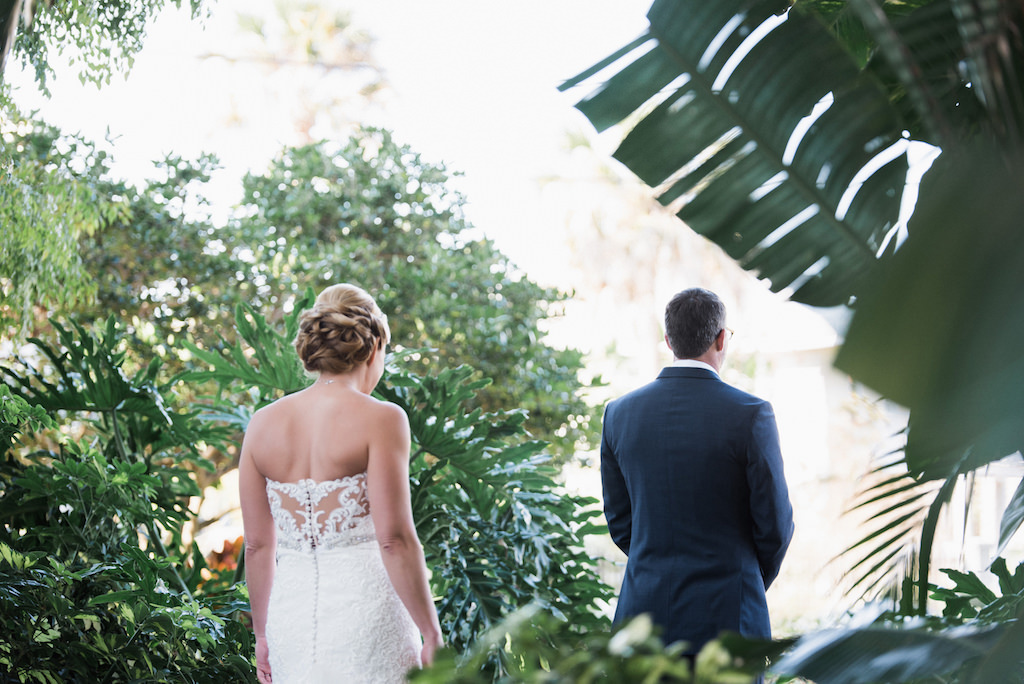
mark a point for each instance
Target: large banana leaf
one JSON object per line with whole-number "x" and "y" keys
{"x": 721, "y": 93}
{"x": 940, "y": 328}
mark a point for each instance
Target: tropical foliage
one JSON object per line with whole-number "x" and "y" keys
{"x": 101, "y": 578}
{"x": 545, "y": 649}
{"x": 713, "y": 135}
{"x": 785, "y": 135}
{"x": 99, "y": 575}
{"x": 98, "y": 578}
{"x": 794, "y": 137}
{"x": 976, "y": 639}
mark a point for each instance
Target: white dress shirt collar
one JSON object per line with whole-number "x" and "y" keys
{"x": 693, "y": 363}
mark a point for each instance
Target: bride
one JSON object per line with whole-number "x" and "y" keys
{"x": 336, "y": 575}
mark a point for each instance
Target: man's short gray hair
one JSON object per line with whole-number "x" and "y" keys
{"x": 693, "y": 319}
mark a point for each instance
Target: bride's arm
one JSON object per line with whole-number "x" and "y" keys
{"x": 387, "y": 481}
{"x": 258, "y": 524}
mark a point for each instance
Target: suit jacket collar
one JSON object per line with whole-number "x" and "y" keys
{"x": 684, "y": 372}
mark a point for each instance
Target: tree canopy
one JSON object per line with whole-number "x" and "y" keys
{"x": 46, "y": 203}
{"x": 374, "y": 212}
{"x": 101, "y": 37}
{"x": 368, "y": 210}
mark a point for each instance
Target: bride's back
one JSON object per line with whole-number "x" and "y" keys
{"x": 324, "y": 432}
{"x": 325, "y": 572}
{"x": 320, "y": 433}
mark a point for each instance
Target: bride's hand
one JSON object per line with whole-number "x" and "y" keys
{"x": 429, "y": 647}
{"x": 263, "y": 661}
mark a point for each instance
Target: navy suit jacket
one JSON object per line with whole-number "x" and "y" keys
{"x": 695, "y": 495}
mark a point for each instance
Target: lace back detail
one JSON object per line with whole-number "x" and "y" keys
{"x": 333, "y": 614}
{"x": 311, "y": 515}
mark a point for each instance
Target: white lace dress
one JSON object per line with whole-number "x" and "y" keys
{"x": 333, "y": 615}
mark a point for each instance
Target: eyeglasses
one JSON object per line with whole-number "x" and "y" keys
{"x": 728, "y": 330}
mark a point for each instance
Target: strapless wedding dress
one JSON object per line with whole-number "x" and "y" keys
{"x": 333, "y": 615}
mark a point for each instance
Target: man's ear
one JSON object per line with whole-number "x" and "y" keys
{"x": 720, "y": 340}
{"x": 669, "y": 345}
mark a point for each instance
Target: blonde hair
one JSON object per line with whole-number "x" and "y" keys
{"x": 341, "y": 330}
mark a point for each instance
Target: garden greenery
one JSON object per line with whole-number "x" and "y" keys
{"x": 101, "y": 579}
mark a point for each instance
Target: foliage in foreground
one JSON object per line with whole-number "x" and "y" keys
{"x": 977, "y": 639}
{"x": 542, "y": 649}
{"x": 97, "y": 582}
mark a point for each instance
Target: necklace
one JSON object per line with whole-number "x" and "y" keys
{"x": 328, "y": 382}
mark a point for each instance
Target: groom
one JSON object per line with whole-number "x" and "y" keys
{"x": 694, "y": 490}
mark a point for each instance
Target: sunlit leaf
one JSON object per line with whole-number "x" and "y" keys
{"x": 1013, "y": 515}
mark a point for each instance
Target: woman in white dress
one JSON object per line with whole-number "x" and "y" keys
{"x": 336, "y": 575}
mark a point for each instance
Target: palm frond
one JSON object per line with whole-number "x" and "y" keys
{"x": 756, "y": 126}
{"x": 905, "y": 514}
{"x": 994, "y": 57}
{"x": 896, "y": 507}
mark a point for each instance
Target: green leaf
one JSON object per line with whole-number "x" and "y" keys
{"x": 113, "y": 597}
{"x": 1002, "y": 663}
{"x": 869, "y": 655}
{"x": 711, "y": 135}
{"x": 1012, "y": 518}
{"x": 948, "y": 314}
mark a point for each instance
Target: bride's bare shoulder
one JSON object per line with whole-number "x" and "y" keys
{"x": 276, "y": 410}
{"x": 387, "y": 413}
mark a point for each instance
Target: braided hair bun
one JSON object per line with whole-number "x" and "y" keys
{"x": 341, "y": 331}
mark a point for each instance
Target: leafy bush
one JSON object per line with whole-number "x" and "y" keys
{"x": 970, "y": 599}
{"x": 97, "y": 582}
{"x": 542, "y": 649}
{"x": 496, "y": 527}
{"x": 115, "y": 620}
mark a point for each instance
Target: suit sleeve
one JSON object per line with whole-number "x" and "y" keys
{"x": 617, "y": 507}
{"x": 770, "y": 508}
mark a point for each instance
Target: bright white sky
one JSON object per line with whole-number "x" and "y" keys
{"x": 472, "y": 84}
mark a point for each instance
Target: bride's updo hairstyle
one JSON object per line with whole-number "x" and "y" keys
{"x": 340, "y": 332}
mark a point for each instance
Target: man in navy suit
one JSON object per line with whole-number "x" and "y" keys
{"x": 694, "y": 489}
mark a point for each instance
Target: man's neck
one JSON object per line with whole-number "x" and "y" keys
{"x": 695, "y": 363}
